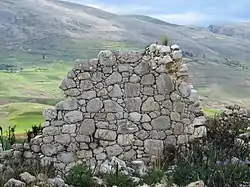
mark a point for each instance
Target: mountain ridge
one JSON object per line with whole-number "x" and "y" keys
{"x": 66, "y": 31}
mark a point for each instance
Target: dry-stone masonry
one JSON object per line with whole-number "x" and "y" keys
{"x": 123, "y": 104}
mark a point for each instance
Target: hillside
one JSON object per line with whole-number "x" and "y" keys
{"x": 39, "y": 36}
{"x": 61, "y": 30}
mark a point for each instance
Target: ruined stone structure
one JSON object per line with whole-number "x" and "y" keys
{"x": 123, "y": 104}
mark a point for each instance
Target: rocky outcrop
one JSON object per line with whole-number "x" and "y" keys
{"x": 124, "y": 104}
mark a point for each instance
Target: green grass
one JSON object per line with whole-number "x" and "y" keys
{"x": 211, "y": 112}
{"x": 23, "y": 115}
{"x": 24, "y": 95}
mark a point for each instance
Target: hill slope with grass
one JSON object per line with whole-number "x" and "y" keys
{"x": 40, "y": 39}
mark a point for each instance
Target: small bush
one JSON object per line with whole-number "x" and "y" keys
{"x": 36, "y": 130}
{"x": 215, "y": 159}
{"x": 216, "y": 165}
{"x": 165, "y": 41}
{"x": 35, "y": 168}
{"x": 119, "y": 179}
{"x": 214, "y": 174}
{"x": 80, "y": 176}
{"x": 224, "y": 128}
{"x": 154, "y": 176}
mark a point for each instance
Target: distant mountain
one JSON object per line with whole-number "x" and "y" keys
{"x": 236, "y": 30}
{"x": 58, "y": 30}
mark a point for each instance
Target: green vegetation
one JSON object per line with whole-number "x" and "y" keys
{"x": 211, "y": 112}
{"x": 80, "y": 176}
{"x": 165, "y": 40}
{"x": 34, "y": 85}
{"x": 24, "y": 95}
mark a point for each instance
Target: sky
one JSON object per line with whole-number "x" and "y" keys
{"x": 185, "y": 12}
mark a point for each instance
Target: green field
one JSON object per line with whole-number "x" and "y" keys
{"x": 25, "y": 94}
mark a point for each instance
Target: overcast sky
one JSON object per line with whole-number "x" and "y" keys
{"x": 198, "y": 12}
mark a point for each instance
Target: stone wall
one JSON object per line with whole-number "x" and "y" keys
{"x": 123, "y": 104}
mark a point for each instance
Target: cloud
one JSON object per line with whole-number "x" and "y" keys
{"x": 180, "y": 12}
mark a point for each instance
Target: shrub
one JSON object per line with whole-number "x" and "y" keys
{"x": 119, "y": 179}
{"x": 224, "y": 128}
{"x": 215, "y": 159}
{"x": 8, "y": 139}
{"x": 80, "y": 176}
{"x": 35, "y": 168}
{"x": 215, "y": 164}
{"x": 36, "y": 130}
{"x": 165, "y": 40}
{"x": 153, "y": 177}
{"x": 214, "y": 173}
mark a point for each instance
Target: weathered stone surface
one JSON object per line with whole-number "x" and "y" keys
{"x": 62, "y": 138}
{"x": 27, "y": 178}
{"x": 148, "y": 79}
{"x": 125, "y": 139}
{"x": 49, "y": 114}
{"x": 66, "y": 157}
{"x": 177, "y": 54}
{"x": 184, "y": 90}
{"x": 200, "y": 132}
{"x": 179, "y": 107}
{"x": 126, "y": 127}
{"x": 103, "y": 134}
{"x": 132, "y": 89}
{"x": 114, "y": 150}
{"x": 178, "y": 128}
{"x": 88, "y": 94}
{"x": 107, "y": 58}
{"x": 73, "y": 92}
{"x": 112, "y": 106}
{"x": 84, "y": 154}
{"x": 86, "y": 65}
{"x": 14, "y": 183}
{"x": 197, "y": 184}
{"x": 170, "y": 140}
{"x": 116, "y": 91}
{"x": 73, "y": 117}
{"x": 49, "y": 149}
{"x": 182, "y": 139}
{"x": 125, "y": 68}
{"x": 86, "y": 85}
{"x": 94, "y": 105}
{"x": 67, "y": 83}
{"x": 114, "y": 78}
{"x": 97, "y": 76}
{"x": 135, "y": 78}
{"x": 142, "y": 68}
{"x": 153, "y": 147}
{"x": 164, "y": 84}
{"x": 68, "y": 104}
{"x": 87, "y": 127}
{"x": 135, "y": 116}
{"x": 150, "y": 105}
{"x": 69, "y": 129}
{"x": 161, "y": 123}
{"x": 142, "y": 135}
{"x": 83, "y": 76}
